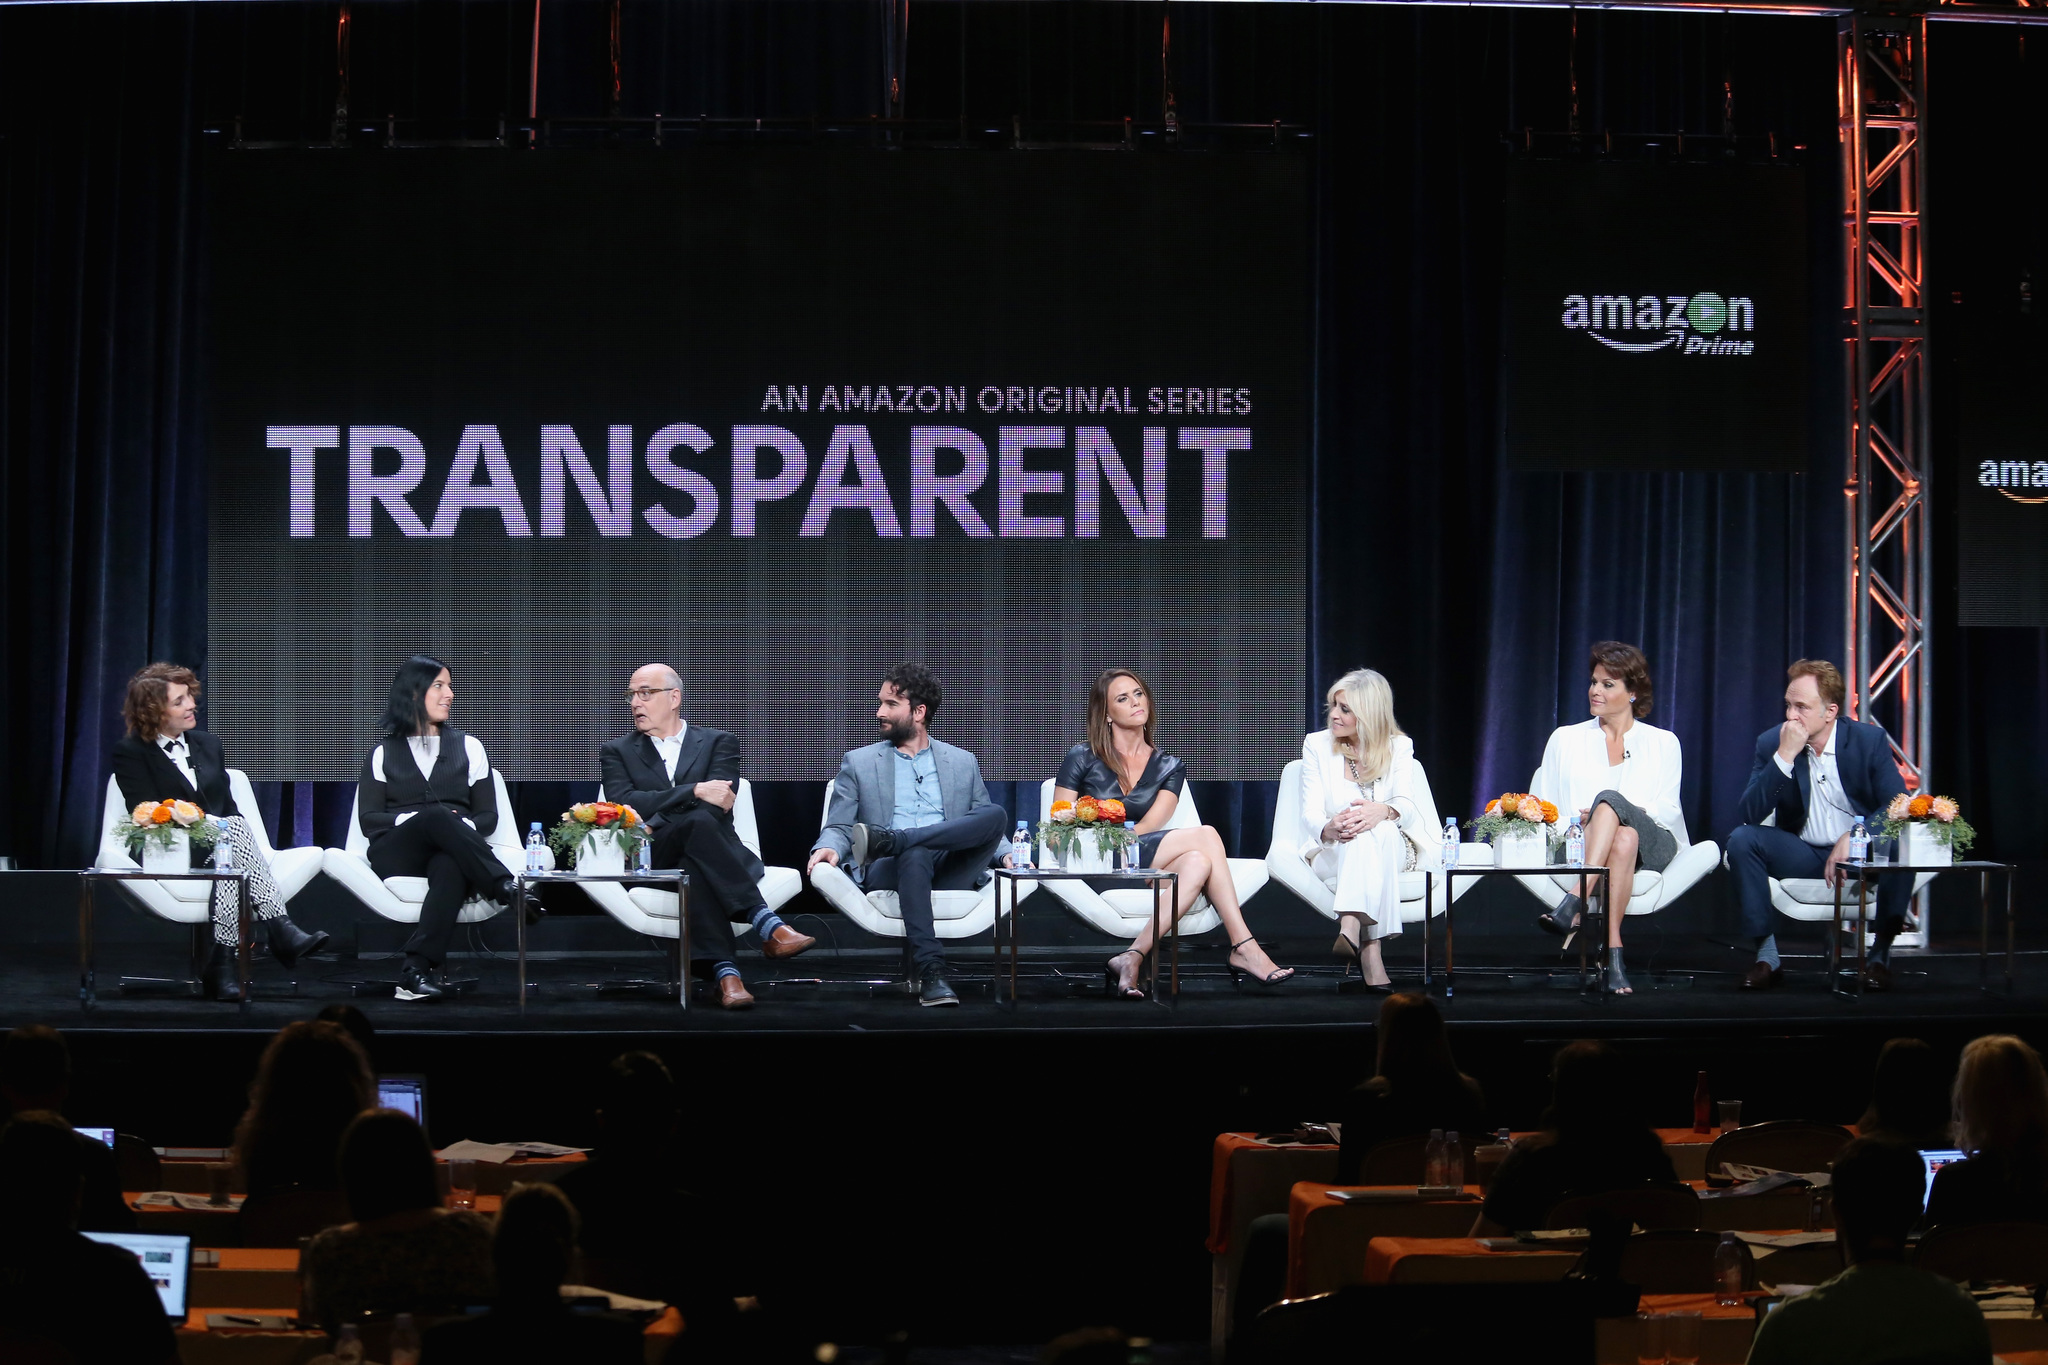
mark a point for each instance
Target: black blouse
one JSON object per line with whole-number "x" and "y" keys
{"x": 1083, "y": 773}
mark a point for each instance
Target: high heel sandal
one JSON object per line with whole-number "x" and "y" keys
{"x": 1240, "y": 976}
{"x": 1119, "y": 988}
{"x": 1353, "y": 956}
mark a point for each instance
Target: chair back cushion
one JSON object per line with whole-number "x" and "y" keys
{"x": 1652, "y": 1206}
{"x": 1796, "y": 1145}
{"x": 2016, "y": 1253}
{"x": 1287, "y": 814}
{"x": 1397, "y": 1161}
{"x": 1678, "y": 1261}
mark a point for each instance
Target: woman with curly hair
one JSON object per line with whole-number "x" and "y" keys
{"x": 1620, "y": 776}
{"x": 165, "y": 755}
{"x": 1119, "y": 762}
{"x": 312, "y": 1082}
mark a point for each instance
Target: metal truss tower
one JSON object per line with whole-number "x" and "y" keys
{"x": 1881, "y": 86}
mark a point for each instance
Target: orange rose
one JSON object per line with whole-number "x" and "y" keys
{"x": 628, "y": 816}
{"x": 143, "y": 814}
{"x": 606, "y": 812}
{"x": 583, "y": 813}
{"x": 1112, "y": 810}
{"x": 162, "y": 814}
{"x": 1549, "y": 813}
{"x": 1491, "y": 806}
{"x": 1530, "y": 809}
{"x": 1087, "y": 810}
{"x": 1921, "y": 808}
{"x": 1060, "y": 806}
{"x": 186, "y": 814}
{"x": 1508, "y": 802}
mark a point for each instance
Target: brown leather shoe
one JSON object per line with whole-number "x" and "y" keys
{"x": 1761, "y": 977}
{"x": 732, "y": 993}
{"x": 1876, "y": 977}
{"x": 785, "y": 942}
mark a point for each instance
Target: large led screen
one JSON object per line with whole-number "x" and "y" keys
{"x": 778, "y": 417}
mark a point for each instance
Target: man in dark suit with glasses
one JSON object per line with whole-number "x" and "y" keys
{"x": 684, "y": 779}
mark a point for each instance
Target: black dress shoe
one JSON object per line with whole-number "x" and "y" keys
{"x": 1877, "y": 976}
{"x": 1762, "y": 977}
{"x": 217, "y": 980}
{"x": 417, "y": 983}
{"x": 931, "y": 984}
{"x": 289, "y": 943}
{"x": 874, "y": 841}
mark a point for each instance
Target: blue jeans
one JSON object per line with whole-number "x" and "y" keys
{"x": 953, "y": 855}
{"x": 1759, "y": 852}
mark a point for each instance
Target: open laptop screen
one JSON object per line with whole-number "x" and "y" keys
{"x": 1936, "y": 1158}
{"x": 166, "y": 1256}
{"x": 406, "y": 1094}
{"x": 105, "y": 1135}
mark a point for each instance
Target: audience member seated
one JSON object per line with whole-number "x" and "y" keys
{"x": 1593, "y": 1142}
{"x": 64, "y": 1297}
{"x": 643, "y": 1234}
{"x": 312, "y": 1082}
{"x": 2001, "y": 1123}
{"x": 356, "y": 1025}
{"x": 531, "y": 1251}
{"x": 35, "y": 1074}
{"x": 1909, "y": 1101}
{"x": 1880, "y": 1308}
{"x": 1416, "y": 1087}
{"x": 404, "y": 1252}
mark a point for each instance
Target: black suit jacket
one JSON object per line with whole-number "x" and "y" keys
{"x": 634, "y": 774}
{"x": 146, "y": 773}
{"x": 1863, "y": 758}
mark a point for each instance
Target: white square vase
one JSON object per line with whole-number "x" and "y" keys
{"x": 1529, "y": 849}
{"x": 175, "y": 859}
{"x": 1086, "y": 855}
{"x": 1918, "y": 849}
{"x": 601, "y": 852}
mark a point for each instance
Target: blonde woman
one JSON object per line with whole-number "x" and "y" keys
{"x": 1361, "y": 827}
{"x": 2001, "y": 1109}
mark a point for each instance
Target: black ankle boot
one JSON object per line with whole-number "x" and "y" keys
{"x": 217, "y": 980}
{"x": 289, "y": 943}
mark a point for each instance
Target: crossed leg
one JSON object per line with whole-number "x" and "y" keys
{"x": 1197, "y": 856}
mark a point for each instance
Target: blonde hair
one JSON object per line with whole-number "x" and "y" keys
{"x": 2001, "y": 1102}
{"x": 1372, "y": 701}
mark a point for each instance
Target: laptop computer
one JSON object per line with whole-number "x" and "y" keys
{"x": 405, "y": 1093}
{"x": 1936, "y": 1158}
{"x": 105, "y": 1135}
{"x": 167, "y": 1256}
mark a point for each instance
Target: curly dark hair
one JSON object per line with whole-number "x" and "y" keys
{"x": 1627, "y": 663}
{"x": 149, "y": 695}
{"x": 312, "y": 1082}
{"x": 919, "y": 686}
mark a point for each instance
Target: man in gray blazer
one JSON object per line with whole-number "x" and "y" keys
{"x": 910, "y": 814}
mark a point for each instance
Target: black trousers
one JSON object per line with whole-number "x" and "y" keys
{"x": 456, "y": 861}
{"x": 721, "y": 891}
{"x": 952, "y": 855}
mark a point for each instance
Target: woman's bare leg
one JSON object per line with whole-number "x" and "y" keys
{"x": 1202, "y": 847}
{"x": 1621, "y": 880}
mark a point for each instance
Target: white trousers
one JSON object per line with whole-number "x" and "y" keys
{"x": 1366, "y": 875}
{"x": 262, "y": 890}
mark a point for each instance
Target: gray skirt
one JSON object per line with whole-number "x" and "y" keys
{"x": 1656, "y": 846}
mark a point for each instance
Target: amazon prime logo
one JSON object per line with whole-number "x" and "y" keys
{"x": 1696, "y": 324}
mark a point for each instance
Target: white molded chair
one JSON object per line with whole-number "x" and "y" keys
{"x": 1652, "y": 890}
{"x": 400, "y": 898}
{"x": 191, "y": 902}
{"x": 1810, "y": 900}
{"x": 955, "y": 914}
{"x": 651, "y": 911}
{"x": 1122, "y": 913}
{"x": 1291, "y": 870}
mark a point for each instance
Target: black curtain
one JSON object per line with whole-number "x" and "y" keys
{"x": 1474, "y": 590}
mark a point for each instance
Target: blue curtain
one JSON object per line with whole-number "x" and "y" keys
{"x": 1476, "y": 591}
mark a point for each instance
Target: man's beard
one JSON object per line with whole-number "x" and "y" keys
{"x": 898, "y": 732}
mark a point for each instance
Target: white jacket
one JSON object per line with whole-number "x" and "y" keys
{"x": 1575, "y": 771}
{"x": 1326, "y": 788}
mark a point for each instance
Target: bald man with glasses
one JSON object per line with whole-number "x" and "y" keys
{"x": 684, "y": 780}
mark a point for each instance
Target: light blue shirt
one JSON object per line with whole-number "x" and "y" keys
{"x": 917, "y": 791}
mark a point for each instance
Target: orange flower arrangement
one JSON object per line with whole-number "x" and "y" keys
{"x": 585, "y": 818}
{"x": 1512, "y": 813}
{"x": 159, "y": 821}
{"x": 1103, "y": 818}
{"x": 1940, "y": 813}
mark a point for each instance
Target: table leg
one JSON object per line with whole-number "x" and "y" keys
{"x": 1862, "y": 932}
{"x": 683, "y": 940}
{"x": 244, "y": 939}
{"x": 519, "y": 931}
{"x": 1585, "y": 927}
{"x": 995, "y": 947}
{"x": 2010, "y": 868}
{"x": 1835, "y": 948}
{"x": 1450, "y": 945}
{"x": 1016, "y": 946}
{"x": 1983, "y": 931}
{"x": 88, "y": 985}
{"x": 1175, "y": 982}
{"x": 1428, "y": 899}
{"x": 1158, "y": 943}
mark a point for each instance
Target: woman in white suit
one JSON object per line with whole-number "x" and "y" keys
{"x": 1359, "y": 821}
{"x": 1620, "y": 776}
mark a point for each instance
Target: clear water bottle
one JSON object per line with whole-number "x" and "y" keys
{"x": 536, "y": 849}
{"x": 1450, "y": 842}
{"x": 1859, "y": 843}
{"x": 224, "y": 851}
{"x": 1020, "y": 846}
{"x": 348, "y": 1346}
{"x": 1433, "y": 1158}
{"x": 1575, "y": 845}
{"x": 1504, "y": 1137}
{"x": 1454, "y": 1159}
{"x": 1728, "y": 1270}
{"x": 1128, "y": 859}
{"x": 644, "y": 859}
{"x": 405, "y": 1341}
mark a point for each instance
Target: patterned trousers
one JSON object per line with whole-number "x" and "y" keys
{"x": 262, "y": 890}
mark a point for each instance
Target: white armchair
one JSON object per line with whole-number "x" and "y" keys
{"x": 1810, "y": 900}
{"x": 955, "y": 914}
{"x": 1291, "y": 870}
{"x": 1652, "y": 890}
{"x": 400, "y": 898}
{"x": 192, "y": 902}
{"x": 651, "y": 911}
{"x": 1124, "y": 913}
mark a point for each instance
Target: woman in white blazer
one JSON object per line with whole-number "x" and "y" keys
{"x": 1360, "y": 825}
{"x": 1620, "y": 776}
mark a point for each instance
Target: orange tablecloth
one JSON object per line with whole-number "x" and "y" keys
{"x": 1443, "y": 1260}
{"x": 198, "y": 1345}
{"x": 1327, "y": 1237}
{"x": 1249, "y": 1178}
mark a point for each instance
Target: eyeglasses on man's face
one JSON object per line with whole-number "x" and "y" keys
{"x": 647, "y": 693}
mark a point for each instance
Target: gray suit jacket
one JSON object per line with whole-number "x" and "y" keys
{"x": 865, "y": 790}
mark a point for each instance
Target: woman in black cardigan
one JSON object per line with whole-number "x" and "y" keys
{"x": 165, "y": 757}
{"x": 428, "y": 805}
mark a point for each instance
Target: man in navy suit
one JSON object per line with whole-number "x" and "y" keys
{"x": 684, "y": 779}
{"x": 1813, "y": 778}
